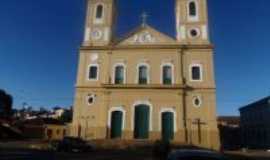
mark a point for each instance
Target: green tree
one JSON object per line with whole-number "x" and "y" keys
{"x": 6, "y": 102}
{"x": 66, "y": 116}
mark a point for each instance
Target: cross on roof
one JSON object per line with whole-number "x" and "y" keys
{"x": 144, "y": 18}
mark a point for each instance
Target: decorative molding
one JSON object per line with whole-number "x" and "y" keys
{"x": 150, "y": 86}
{"x": 146, "y": 47}
{"x": 194, "y": 97}
{"x": 91, "y": 96}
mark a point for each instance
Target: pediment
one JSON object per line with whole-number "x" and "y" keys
{"x": 146, "y": 35}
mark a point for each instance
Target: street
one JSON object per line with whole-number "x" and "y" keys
{"x": 26, "y": 155}
{"x": 49, "y": 155}
{"x": 13, "y": 154}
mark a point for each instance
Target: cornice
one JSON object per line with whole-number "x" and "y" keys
{"x": 150, "y": 86}
{"x": 165, "y": 46}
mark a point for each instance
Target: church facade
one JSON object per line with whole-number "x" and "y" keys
{"x": 147, "y": 85}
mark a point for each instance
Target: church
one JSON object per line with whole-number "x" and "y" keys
{"x": 147, "y": 85}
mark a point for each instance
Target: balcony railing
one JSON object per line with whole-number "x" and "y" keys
{"x": 142, "y": 81}
{"x": 167, "y": 81}
{"x": 119, "y": 81}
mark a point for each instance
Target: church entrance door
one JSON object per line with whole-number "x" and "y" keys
{"x": 141, "y": 130}
{"x": 116, "y": 124}
{"x": 167, "y": 126}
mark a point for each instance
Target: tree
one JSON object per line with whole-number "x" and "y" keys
{"x": 66, "y": 116}
{"x": 6, "y": 102}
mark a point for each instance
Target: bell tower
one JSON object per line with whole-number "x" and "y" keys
{"x": 99, "y": 22}
{"x": 192, "y": 21}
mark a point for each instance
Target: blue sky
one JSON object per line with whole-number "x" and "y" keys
{"x": 39, "y": 43}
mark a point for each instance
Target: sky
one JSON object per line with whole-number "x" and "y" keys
{"x": 39, "y": 42}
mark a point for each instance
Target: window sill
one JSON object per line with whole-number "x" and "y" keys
{"x": 143, "y": 86}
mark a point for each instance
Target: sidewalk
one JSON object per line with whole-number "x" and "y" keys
{"x": 252, "y": 154}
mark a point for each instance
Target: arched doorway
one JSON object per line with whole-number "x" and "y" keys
{"x": 167, "y": 126}
{"x": 141, "y": 120}
{"x": 116, "y": 124}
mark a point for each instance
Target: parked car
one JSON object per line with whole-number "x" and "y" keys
{"x": 195, "y": 154}
{"x": 72, "y": 144}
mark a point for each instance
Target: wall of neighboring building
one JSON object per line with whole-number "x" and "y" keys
{"x": 229, "y": 129}
{"x": 255, "y": 124}
{"x": 33, "y": 131}
{"x": 54, "y": 132}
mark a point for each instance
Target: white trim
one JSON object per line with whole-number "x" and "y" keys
{"x": 121, "y": 109}
{"x": 193, "y": 101}
{"x": 196, "y": 17}
{"x": 171, "y": 110}
{"x": 182, "y": 32}
{"x": 161, "y": 71}
{"x": 99, "y": 20}
{"x": 137, "y": 103}
{"x": 113, "y": 72}
{"x": 148, "y": 72}
{"x": 190, "y": 72}
{"x": 90, "y": 96}
{"x": 94, "y": 57}
{"x": 87, "y": 34}
{"x": 88, "y": 71}
{"x": 204, "y": 32}
{"x": 106, "y": 34}
{"x": 178, "y": 21}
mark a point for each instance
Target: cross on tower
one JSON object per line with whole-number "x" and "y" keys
{"x": 144, "y": 18}
{"x": 199, "y": 124}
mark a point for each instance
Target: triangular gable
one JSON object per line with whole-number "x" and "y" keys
{"x": 146, "y": 35}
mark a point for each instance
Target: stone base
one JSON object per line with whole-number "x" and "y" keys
{"x": 209, "y": 139}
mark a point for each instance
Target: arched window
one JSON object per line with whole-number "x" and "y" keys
{"x": 119, "y": 74}
{"x": 99, "y": 11}
{"x": 167, "y": 74}
{"x": 143, "y": 74}
{"x": 196, "y": 72}
{"x": 192, "y": 9}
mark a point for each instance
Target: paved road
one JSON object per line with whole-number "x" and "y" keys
{"x": 46, "y": 155}
{"x": 252, "y": 155}
{"x": 26, "y": 155}
{"x": 105, "y": 155}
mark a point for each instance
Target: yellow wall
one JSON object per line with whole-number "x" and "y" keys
{"x": 93, "y": 120}
{"x": 58, "y": 132}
